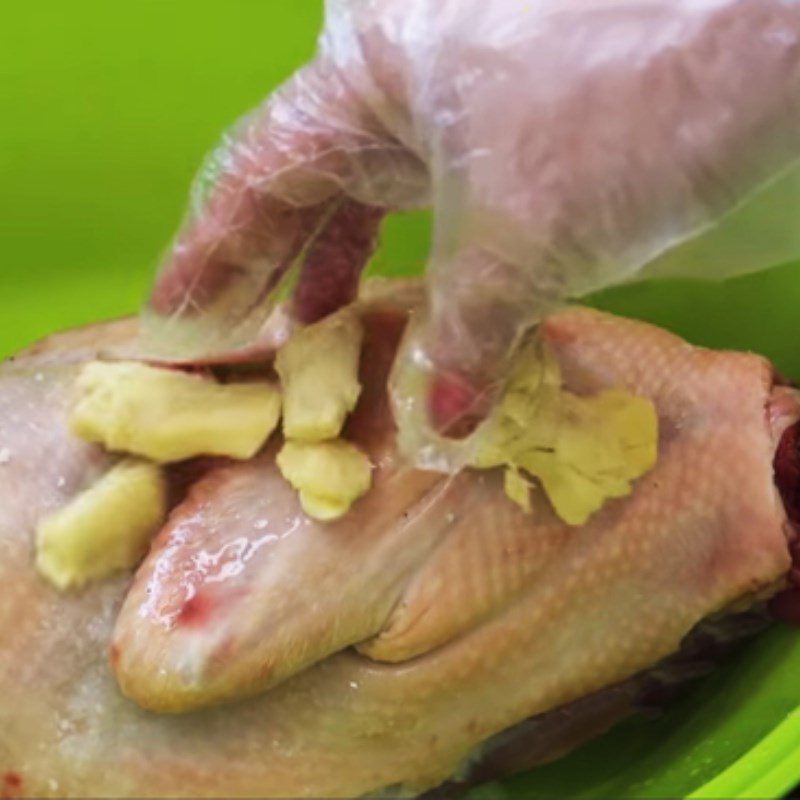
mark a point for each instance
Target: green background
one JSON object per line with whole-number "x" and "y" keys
{"x": 107, "y": 108}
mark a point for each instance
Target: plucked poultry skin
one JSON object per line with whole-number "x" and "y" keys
{"x": 311, "y": 659}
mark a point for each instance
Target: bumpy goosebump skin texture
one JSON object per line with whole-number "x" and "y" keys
{"x": 495, "y": 615}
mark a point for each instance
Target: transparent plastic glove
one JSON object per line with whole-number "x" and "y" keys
{"x": 564, "y": 145}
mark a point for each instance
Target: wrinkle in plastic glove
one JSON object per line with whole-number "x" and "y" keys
{"x": 563, "y": 147}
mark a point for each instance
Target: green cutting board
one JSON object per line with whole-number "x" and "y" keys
{"x": 106, "y": 109}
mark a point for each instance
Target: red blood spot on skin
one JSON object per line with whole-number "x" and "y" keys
{"x": 196, "y": 611}
{"x": 456, "y": 407}
{"x": 12, "y": 783}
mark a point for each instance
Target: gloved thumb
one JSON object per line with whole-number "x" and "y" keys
{"x": 457, "y": 350}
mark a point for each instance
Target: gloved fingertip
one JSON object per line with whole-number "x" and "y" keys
{"x": 170, "y": 299}
{"x": 170, "y": 292}
{"x": 456, "y": 404}
{"x": 189, "y": 285}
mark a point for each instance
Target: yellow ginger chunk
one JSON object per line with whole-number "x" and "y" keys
{"x": 517, "y": 489}
{"x": 330, "y": 476}
{"x": 166, "y": 415}
{"x": 105, "y": 529}
{"x": 583, "y": 450}
{"x": 318, "y": 368}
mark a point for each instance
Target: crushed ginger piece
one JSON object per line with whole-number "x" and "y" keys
{"x": 329, "y": 476}
{"x": 104, "y": 529}
{"x": 167, "y": 415}
{"x": 318, "y": 368}
{"x": 583, "y": 450}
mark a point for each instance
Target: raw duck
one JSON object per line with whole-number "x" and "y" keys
{"x": 258, "y": 652}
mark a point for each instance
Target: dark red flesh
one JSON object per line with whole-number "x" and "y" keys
{"x": 785, "y": 606}
{"x": 185, "y": 474}
{"x": 371, "y": 419}
{"x": 787, "y": 472}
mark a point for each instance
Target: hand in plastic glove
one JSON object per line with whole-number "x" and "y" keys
{"x": 562, "y": 146}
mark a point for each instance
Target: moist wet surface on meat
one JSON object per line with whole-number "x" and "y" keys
{"x": 552, "y": 620}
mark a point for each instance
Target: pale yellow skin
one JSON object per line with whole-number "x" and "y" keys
{"x": 509, "y": 614}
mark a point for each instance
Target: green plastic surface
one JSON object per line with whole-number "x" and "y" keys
{"x": 106, "y": 109}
